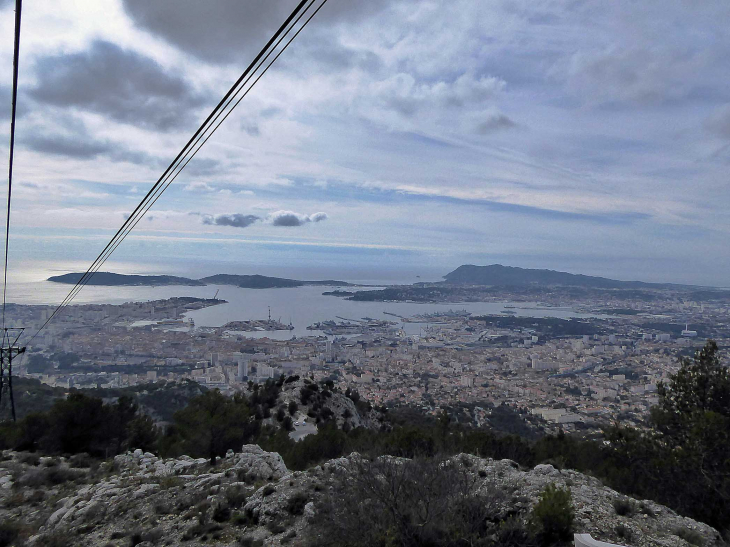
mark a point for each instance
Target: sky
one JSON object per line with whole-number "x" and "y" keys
{"x": 584, "y": 136}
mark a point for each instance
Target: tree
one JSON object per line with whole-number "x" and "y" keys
{"x": 78, "y": 424}
{"x": 142, "y": 433}
{"x": 692, "y": 420}
{"x": 65, "y": 360}
{"x": 701, "y": 385}
{"x": 38, "y": 364}
{"x": 293, "y": 407}
{"x": 213, "y": 423}
{"x": 122, "y": 414}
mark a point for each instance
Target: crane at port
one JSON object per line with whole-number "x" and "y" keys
{"x": 215, "y": 296}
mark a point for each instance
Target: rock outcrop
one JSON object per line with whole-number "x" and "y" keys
{"x": 141, "y": 499}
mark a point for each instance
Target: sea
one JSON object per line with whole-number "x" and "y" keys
{"x": 300, "y": 306}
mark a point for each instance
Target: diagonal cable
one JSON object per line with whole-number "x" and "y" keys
{"x": 200, "y": 137}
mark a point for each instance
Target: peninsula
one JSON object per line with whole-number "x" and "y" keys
{"x": 110, "y": 279}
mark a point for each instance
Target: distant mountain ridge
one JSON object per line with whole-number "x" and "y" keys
{"x": 110, "y": 279}
{"x": 498, "y": 275}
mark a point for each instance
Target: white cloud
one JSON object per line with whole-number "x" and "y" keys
{"x": 199, "y": 187}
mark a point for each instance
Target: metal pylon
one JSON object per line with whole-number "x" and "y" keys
{"x": 8, "y": 351}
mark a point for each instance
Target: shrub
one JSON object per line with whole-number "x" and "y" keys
{"x": 624, "y": 532}
{"x": 646, "y": 510}
{"x": 29, "y": 459}
{"x": 268, "y": 490}
{"x": 9, "y": 532}
{"x": 51, "y": 476}
{"x": 553, "y": 515}
{"x": 235, "y": 496}
{"x": 221, "y": 513}
{"x": 295, "y": 504}
{"x": 153, "y": 536}
{"x": 82, "y": 460}
{"x": 248, "y": 541}
{"x": 690, "y": 536}
{"x": 135, "y": 538}
{"x": 36, "y": 497}
{"x": 513, "y": 533}
{"x": 170, "y": 482}
{"x": 275, "y": 528}
{"x": 163, "y": 508}
{"x": 624, "y": 507}
{"x": 415, "y": 502}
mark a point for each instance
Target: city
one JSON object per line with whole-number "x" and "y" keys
{"x": 571, "y": 374}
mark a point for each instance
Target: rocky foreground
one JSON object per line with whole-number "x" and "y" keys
{"x": 251, "y": 498}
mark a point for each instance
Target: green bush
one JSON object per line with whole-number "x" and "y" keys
{"x": 553, "y": 515}
{"x": 690, "y": 536}
{"x": 513, "y": 533}
{"x": 624, "y": 507}
{"x": 295, "y": 504}
{"x": 81, "y": 461}
{"x": 235, "y": 496}
{"x": 50, "y": 476}
{"x": 624, "y": 532}
{"x": 221, "y": 513}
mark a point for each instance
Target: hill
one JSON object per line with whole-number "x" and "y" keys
{"x": 496, "y": 274}
{"x": 252, "y": 498}
{"x": 109, "y": 279}
{"x": 264, "y": 282}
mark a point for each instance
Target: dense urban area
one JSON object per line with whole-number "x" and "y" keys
{"x": 558, "y": 374}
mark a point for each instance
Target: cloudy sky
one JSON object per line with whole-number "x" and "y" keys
{"x": 586, "y": 136}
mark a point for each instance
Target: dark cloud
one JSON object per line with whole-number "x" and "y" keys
{"x": 290, "y": 218}
{"x": 122, "y": 84}
{"x": 232, "y": 30}
{"x": 79, "y": 144}
{"x": 73, "y": 147}
{"x": 235, "y": 220}
{"x": 494, "y": 122}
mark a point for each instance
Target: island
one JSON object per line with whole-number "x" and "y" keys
{"x": 109, "y": 279}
